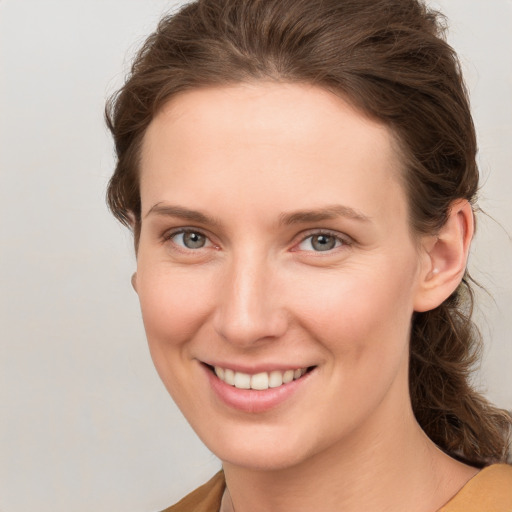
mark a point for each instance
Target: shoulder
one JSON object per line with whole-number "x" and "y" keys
{"x": 490, "y": 491}
{"x": 206, "y": 498}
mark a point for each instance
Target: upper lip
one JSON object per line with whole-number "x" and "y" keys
{"x": 253, "y": 369}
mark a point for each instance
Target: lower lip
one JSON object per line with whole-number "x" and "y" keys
{"x": 251, "y": 400}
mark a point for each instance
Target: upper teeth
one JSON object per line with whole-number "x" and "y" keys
{"x": 259, "y": 381}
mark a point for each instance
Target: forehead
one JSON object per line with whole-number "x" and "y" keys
{"x": 283, "y": 142}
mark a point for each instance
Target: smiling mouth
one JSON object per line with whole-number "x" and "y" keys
{"x": 259, "y": 381}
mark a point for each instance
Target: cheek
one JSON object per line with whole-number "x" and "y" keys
{"x": 363, "y": 326}
{"x": 174, "y": 303}
{"x": 360, "y": 311}
{"x": 174, "y": 308}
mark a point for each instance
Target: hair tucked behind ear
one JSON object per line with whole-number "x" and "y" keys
{"x": 445, "y": 349}
{"x": 389, "y": 59}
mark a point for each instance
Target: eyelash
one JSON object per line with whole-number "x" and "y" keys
{"x": 168, "y": 237}
{"x": 341, "y": 241}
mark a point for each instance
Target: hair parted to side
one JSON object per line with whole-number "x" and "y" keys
{"x": 389, "y": 59}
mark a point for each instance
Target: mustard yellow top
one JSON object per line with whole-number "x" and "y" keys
{"x": 489, "y": 491}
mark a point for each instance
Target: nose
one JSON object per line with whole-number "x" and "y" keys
{"x": 249, "y": 305}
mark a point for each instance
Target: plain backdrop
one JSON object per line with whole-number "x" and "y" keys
{"x": 85, "y": 423}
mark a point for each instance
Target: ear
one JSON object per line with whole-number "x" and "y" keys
{"x": 445, "y": 257}
{"x": 134, "y": 281}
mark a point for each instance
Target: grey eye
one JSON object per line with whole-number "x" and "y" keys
{"x": 323, "y": 242}
{"x": 191, "y": 240}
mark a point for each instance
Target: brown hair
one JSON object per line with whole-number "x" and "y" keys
{"x": 390, "y": 60}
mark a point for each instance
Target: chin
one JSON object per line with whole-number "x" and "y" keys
{"x": 262, "y": 448}
{"x": 262, "y": 459}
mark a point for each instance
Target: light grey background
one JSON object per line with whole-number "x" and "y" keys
{"x": 84, "y": 422}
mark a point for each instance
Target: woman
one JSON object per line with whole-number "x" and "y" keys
{"x": 300, "y": 178}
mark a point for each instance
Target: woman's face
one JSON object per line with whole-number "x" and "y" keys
{"x": 275, "y": 246}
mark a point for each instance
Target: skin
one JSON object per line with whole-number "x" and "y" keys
{"x": 259, "y": 295}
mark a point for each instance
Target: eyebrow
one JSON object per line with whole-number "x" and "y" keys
{"x": 286, "y": 219}
{"x": 327, "y": 213}
{"x": 182, "y": 213}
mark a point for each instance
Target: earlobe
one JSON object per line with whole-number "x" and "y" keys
{"x": 446, "y": 257}
{"x": 134, "y": 281}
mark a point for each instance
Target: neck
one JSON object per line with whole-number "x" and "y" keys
{"x": 382, "y": 467}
